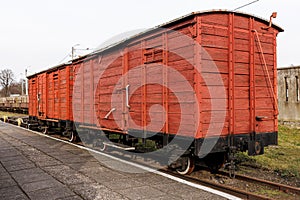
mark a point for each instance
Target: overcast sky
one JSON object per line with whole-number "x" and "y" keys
{"x": 38, "y": 34}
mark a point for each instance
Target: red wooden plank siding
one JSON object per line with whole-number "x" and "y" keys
{"x": 67, "y": 97}
{"x": 83, "y": 91}
{"x": 200, "y": 39}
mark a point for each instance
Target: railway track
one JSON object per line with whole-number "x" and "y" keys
{"x": 243, "y": 194}
{"x": 196, "y": 180}
{"x": 224, "y": 188}
{"x": 276, "y": 186}
{"x": 220, "y": 187}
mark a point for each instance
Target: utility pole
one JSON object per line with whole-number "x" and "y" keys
{"x": 26, "y": 83}
{"x": 22, "y": 87}
{"x": 73, "y": 51}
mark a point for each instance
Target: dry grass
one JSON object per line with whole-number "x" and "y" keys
{"x": 8, "y": 114}
{"x": 283, "y": 159}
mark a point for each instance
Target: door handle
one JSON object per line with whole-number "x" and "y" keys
{"x": 127, "y": 96}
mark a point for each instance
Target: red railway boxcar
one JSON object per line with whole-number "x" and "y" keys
{"x": 203, "y": 86}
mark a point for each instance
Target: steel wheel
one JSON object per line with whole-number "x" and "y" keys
{"x": 187, "y": 167}
{"x": 45, "y": 131}
{"x": 72, "y": 137}
{"x": 102, "y": 146}
{"x": 20, "y": 121}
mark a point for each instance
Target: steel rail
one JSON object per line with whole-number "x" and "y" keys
{"x": 277, "y": 186}
{"x": 224, "y": 188}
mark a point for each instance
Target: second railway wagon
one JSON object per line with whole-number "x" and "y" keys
{"x": 208, "y": 78}
{"x": 17, "y": 104}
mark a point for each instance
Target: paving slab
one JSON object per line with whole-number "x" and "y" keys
{"x": 67, "y": 175}
{"x": 39, "y": 185}
{"x": 13, "y": 192}
{"x": 143, "y": 192}
{"x": 51, "y": 193}
{"x": 122, "y": 184}
{"x": 8, "y": 153}
{"x": 36, "y": 167}
{"x": 17, "y": 167}
{"x": 95, "y": 191}
{"x": 7, "y": 182}
{"x": 4, "y": 175}
{"x": 76, "y": 197}
{"x": 30, "y": 175}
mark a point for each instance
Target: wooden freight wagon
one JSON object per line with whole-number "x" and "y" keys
{"x": 49, "y": 97}
{"x": 208, "y": 78}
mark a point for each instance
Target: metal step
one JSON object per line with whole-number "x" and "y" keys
{"x": 119, "y": 146}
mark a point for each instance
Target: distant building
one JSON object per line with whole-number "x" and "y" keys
{"x": 289, "y": 93}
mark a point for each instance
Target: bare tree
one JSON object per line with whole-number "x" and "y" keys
{"x": 16, "y": 87}
{"x": 6, "y": 79}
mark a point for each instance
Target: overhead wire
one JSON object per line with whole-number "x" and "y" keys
{"x": 69, "y": 54}
{"x": 246, "y": 5}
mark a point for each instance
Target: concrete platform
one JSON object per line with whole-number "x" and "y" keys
{"x": 36, "y": 167}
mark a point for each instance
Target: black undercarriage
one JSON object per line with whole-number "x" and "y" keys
{"x": 178, "y": 152}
